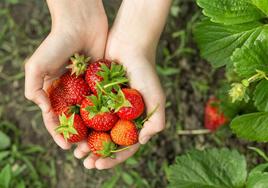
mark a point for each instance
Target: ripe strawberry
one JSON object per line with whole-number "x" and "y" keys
{"x": 101, "y": 144}
{"x": 68, "y": 90}
{"x": 92, "y": 73}
{"x": 124, "y": 133}
{"x": 213, "y": 117}
{"x": 78, "y": 64}
{"x": 136, "y": 107}
{"x": 108, "y": 74}
{"x": 72, "y": 128}
{"x": 95, "y": 115}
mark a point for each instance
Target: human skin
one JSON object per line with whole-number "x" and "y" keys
{"x": 132, "y": 41}
{"x": 81, "y": 26}
{"x": 77, "y": 26}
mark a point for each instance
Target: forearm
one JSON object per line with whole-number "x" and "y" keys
{"x": 142, "y": 21}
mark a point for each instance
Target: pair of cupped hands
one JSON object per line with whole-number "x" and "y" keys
{"x": 82, "y": 26}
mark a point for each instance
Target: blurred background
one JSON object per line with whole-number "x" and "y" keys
{"x": 26, "y": 146}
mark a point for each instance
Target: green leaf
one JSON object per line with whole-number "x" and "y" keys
{"x": 258, "y": 177}
{"x": 127, "y": 178}
{"x": 4, "y": 140}
{"x": 250, "y": 58}
{"x": 111, "y": 183}
{"x": 230, "y": 12}
{"x": 252, "y": 126}
{"x": 5, "y": 176}
{"x": 217, "y": 42}
{"x": 4, "y": 154}
{"x": 261, "y": 96}
{"x": 212, "y": 168}
{"x": 262, "y": 5}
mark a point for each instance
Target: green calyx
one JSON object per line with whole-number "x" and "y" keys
{"x": 66, "y": 127}
{"x": 140, "y": 121}
{"x": 110, "y": 148}
{"x": 74, "y": 109}
{"x": 118, "y": 101}
{"x": 99, "y": 105}
{"x": 112, "y": 77}
{"x": 79, "y": 64}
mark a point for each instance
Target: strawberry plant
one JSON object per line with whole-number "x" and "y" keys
{"x": 234, "y": 35}
{"x": 216, "y": 168}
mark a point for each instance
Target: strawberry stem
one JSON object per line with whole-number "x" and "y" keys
{"x": 150, "y": 114}
{"x": 119, "y": 150}
{"x": 125, "y": 80}
{"x": 194, "y": 132}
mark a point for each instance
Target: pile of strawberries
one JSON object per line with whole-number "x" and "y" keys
{"x": 93, "y": 102}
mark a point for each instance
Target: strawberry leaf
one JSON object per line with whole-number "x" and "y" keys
{"x": 230, "y": 12}
{"x": 261, "y": 96}
{"x": 211, "y": 168}
{"x": 262, "y": 5}
{"x": 258, "y": 177}
{"x": 217, "y": 42}
{"x": 250, "y": 58}
{"x": 252, "y": 127}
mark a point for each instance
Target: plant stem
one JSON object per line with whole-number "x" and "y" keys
{"x": 194, "y": 132}
{"x": 115, "y": 83}
{"x": 150, "y": 114}
{"x": 122, "y": 149}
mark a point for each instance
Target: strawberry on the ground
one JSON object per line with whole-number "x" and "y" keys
{"x": 101, "y": 144}
{"x": 213, "y": 117}
{"x": 66, "y": 91}
{"x": 78, "y": 64}
{"x": 136, "y": 107}
{"x": 72, "y": 128}
{"x": 108, "y": 74}
{"x": 96, "y": 115}
{"x": 124, "y": 133}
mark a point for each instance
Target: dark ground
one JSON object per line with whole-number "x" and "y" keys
{"x": 187, "y": 80}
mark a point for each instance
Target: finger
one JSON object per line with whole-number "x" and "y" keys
{"x": 154, "y": 125}
{"x": 47, "y": 59}
{"x": 154, "y": 97}
{"x": 51, "y": 122}
{"x": 89, "y": 162}
{"x": 105, "y": 163}
{"x": 81, "y": 150}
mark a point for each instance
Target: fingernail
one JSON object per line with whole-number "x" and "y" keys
{"x": 145, "y": 139}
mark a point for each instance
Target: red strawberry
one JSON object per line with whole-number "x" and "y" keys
{"x": 100, "y": 143}
{"x": 68, "y": 90}
{"x": 92, "y": 73}
{"x": 136, "y": 102}
{"x": 124, "y": 133}
{"x": 72, "y": 128}
{"x": 213, "y": 117}
{"x": 78, "y": 64}
{"x": 97, "y": 116}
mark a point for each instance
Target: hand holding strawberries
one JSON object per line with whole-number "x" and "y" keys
{"x": 128, "y": 43}
{"x": 76, "y": 26}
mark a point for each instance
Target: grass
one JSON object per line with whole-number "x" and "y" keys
{"x": 28, "y": 156}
